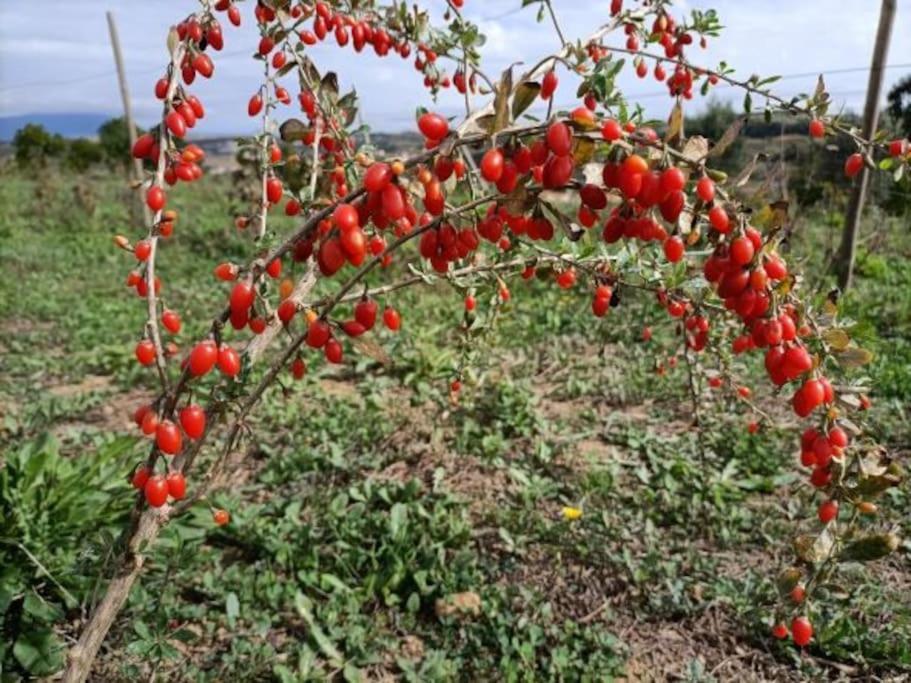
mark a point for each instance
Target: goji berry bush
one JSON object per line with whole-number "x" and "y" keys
{"x": 596, "y": 201}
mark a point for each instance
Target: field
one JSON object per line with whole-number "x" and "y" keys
{"x": 381, "y": 530}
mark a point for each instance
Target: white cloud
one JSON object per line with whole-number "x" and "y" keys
{"x": 56, "y": 41}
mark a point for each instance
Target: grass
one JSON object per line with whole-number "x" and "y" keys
{"x": 377, "y": 528}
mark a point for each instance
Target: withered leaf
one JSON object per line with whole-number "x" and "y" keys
{"x": 293, "y": 129}
{"x": 524, "y": 96}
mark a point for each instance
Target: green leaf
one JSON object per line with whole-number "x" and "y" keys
{"x": 871, "y": 548}
{"x": 232, "y": 608}
{"x": 39, "y": 652}
{"x": 398, "y": 517}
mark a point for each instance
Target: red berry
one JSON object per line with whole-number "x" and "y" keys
{"x": 203, "y": 358}
{"x": 228, "y": 360}
{"x": 155, "y": 198}
{"x": 221, "y": 517}
{"x": 156, "y": 491}
{"x": 780, "y": 631}
{"x": 853, "y": 164}
{"x": 177, "y": 485}
{"x": 145, "y": 352}
{"x": 817, "y": 128}
{"x": 705, "y": 189}
{"x": 674, "y": 249}
{"x": 560, "y": 139}
{"x": 377, "y": 177}
{"x": 742, "y": 251}
{"x": 392, "y": 319}
{"x": 828, "y": 510}
{"x": 719, "y": 219}
{"x": 318, "y": 334}
{"x": 611, "y": 130}
{"x": 801, "y": 631}
{"x": 193, "y": 421}
{"x": 548, "y": 85}
{"x": 167, "y": 437}
{"x": 171, "y": 321}
{"x": 140, "y": 477}
{"x": 433, "y": 126}
{"x": 176, "y": 124}
{"x": 255, "y": 105}
{"x": 365, "y": 313}
{"x": 345, "y": 217}
{"x": 492, "y": 165}
{"x": 333, "y": 350}
{"x": 242, "y": 296}
{"x": 274, "y": 190}
{"x": 672, "y": 180}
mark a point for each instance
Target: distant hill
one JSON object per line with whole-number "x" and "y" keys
{"x": 71, "y": 125}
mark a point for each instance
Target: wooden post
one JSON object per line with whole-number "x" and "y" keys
{"x": 845, "y": 262}
{"x": 125, "y": 96}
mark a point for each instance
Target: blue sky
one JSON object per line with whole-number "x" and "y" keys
{"x": 55, "y": 55}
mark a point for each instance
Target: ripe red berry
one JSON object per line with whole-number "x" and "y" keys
{"x": 365, "y": 313}
{"x": 193, "y": 421}
{"x": 548, "y": 85}
{"x": 156, "y": 491}
{"x": 333, "y": 350}
{"x": 672, "y": 180}
{"x": 719, "y": 219}
{"x": 853, "y": 164}
{"x": 742, "y": 251}
{"x": 274, "y": 190}
{"x": 433, "y": 126}
{"x": 140, "y": 477}
{"x": 705, "y": 189}
{"x": 176, "y": 124}
{"x": 801, "y": 631}
{"x": 345, "y": 217}
{"x": 611, "y": 130}
{"x": 155, "y": 198}
{"x": 318, "y": 333}
{"x": 817, "y": 128}
{"x": 567, "y": 278}
{"x": 492, "y": 165}
{"x": 177, "y": 485}
{"x": 203, "y": 358}
{"x": 828, "y": 510}
{"x": 145, "y": 352}
{"x": 171, "y": 321}
{"x": 221, "y": 517}
{"x": 167, "y": 437}
{"x": 228, "y": 360}
{"x": 780, "y": 631}
{"x": 255, "y": 105}
{"x": 242, "y": 296}
{"x": 674, "y": 249}
{"x": 377, "y": 177}
{"x": 559, "y": 139}
{"x": 392, "y": 319}
{"x": 203, "y": 65}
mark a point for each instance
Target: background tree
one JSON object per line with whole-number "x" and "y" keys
{"x": 34, "y": 145}
{"x": 114, "y": 138}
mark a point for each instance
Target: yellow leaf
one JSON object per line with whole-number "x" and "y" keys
{"x": 837, "y": 338}
{"x": 854, "y": 356}
{"x": 583, "y": 150}
{"x": 675, "y": 124}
